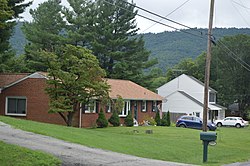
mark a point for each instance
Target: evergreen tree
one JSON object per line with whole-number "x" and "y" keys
{"x": 168, "y": 119}
{"x": 101, "y": 121}
{"x": 114, "y": 119}
{"x": 129, "y": 121}
{"x": 157, "y": 118}
{"x": 45, "y": 32}
{"x": 110, "y": 32}
{"x": 9, "y": 10}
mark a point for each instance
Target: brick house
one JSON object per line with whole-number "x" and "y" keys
{"x": 23, "y": 96}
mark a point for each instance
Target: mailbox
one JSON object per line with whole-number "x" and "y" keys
{"x": 208, "y": 136}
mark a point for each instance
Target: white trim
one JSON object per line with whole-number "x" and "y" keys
{"x": 15, "y": 97}
{"x": 144, "y": 104}
{"x": 88, "y": 110}
{"x": 154, "y": 105}
{"x": 124, "y": 112}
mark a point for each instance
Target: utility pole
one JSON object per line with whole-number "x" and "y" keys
{"x": 208, "y": 63}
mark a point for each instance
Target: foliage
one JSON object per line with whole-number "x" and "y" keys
{"x": 230, "y": 78}
{"x": 173, "y": 141}
{"x": 24, "y": 156}
{"x": 158, "y": 118}
{"x": 101, "y": 121}
{"x": 118, "y": 104}
{"x": 114, "y": 119}
{"x": 108, "y": 28}
{"x": 150, "y": 120}
{"x": 43, "y": 33}
{"x": 129, "y": 121}
{"x": 69, "y": 84}
{"x": 165, "y": 121}
{"x": 9, "y": 10}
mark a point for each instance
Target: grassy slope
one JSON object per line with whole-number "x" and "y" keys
{"x": 166, "y": 143}
{"x": 19, "y": 156}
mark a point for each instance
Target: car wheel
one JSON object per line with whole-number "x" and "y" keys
{"x": 219, "y": 124}
{"x": 238, "y": 125}
{"x": 183, "y": 126}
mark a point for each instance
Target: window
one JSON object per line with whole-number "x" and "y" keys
{"x": 197, "y": 114}
{"x": 16, "y": 106}
{"x": 90, "y": 107}
{"x": 108, "y": 107}
{"x": 212, "y": 97}
{"x": 125, "y": 109}
{"x": 154, "y": 106}
{"x": 144, "y": 106}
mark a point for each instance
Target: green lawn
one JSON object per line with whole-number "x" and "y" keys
{"x": 19, "y": 156}
{"x": 166, "y": 143}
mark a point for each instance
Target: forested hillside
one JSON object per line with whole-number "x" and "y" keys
{"x": 168, "y": 47}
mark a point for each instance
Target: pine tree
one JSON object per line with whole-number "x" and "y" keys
{"x": 45, "y": 32}
{"x": 9, "y": 10}
{"x": 101, "y": 121}
{"x": 110, "y": 32}
{"x": 114, "y": 119}
{"x": 128, "y": 121}
{"x": 157, "y": 118}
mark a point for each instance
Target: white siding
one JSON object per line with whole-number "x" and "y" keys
{"x": 178, "y": 103}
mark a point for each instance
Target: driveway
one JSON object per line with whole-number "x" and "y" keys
{"x": 74, "y": 154}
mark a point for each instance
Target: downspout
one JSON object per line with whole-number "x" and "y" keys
{"x": 80, "y": 116}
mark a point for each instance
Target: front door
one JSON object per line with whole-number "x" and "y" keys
{"x": 135, "y": 110}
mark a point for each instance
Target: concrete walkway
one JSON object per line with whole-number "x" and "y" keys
{"x": 74, "y": 154}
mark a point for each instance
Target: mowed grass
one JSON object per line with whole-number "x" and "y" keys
{"x": 11, "y": 155}
{"x": 166, "y": 143}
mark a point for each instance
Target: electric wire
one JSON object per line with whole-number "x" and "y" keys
{"x": 241, "y": 5}
{"x": 155, "y": 14}
{"x": 167, "y": 14}
{"x": 239, "y": 13}
{"x": 232, "y": 55}
{"x": 200, "y": 36}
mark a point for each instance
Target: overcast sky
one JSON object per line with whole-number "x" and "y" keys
{"x": 193, "y": 13}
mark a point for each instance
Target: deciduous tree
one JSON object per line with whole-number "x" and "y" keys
{"x": 74, "y": 77}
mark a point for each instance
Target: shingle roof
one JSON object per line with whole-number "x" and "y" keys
{"x": 124, "y": 88}
{"x": 7, "y": 79}
{"x": 130, "y": 90}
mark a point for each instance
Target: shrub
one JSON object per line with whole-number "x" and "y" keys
{"x": 129, "y": 121}
{"x": 165, "y": 119}
{"x": 157, "y": 118}
{"x": 114, "y": 119}
{"x": 101, "y": 121}
{"x": 150, "y": 120}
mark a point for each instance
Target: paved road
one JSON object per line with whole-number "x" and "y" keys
{"x": 73, "y": 154}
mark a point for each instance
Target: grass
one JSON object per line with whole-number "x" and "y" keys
{"x": 19, "y": 156}
{"x": 166, "y": 143}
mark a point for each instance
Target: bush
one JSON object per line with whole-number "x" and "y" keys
{"x": 114, "y": 119}
{"x": 101, "y": 121}
{"x": 165, "y": 119}
{"x": 157, "y": 118}
{"x": 129, "y": 121}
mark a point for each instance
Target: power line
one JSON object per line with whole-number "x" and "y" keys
{"x": 155, "y": 14}
{"x": 239, "y": 12}
{"x": 232, "y": 55}
{"x": 235, "y": 57}
{"x": 157, "y": 21}
{"x": 241, "y": 5}
{"x": 168, "y": 14}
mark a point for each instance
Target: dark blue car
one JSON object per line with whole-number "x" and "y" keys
{"x": 193, "y": 122}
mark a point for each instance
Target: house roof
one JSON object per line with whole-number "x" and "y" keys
{"x": 130, "y": 90}
{"x": 124, "y": 88}
{"x": 194, "y": 79}
{"x": 210, "y": 105}
{"x": 7, "y": 78}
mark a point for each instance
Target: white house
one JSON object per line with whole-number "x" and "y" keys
{"x": 185, "y": 95}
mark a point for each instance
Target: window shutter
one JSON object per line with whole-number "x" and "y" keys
{"x": 97, "y": 107}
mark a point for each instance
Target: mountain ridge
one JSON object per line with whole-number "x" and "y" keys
{"x": 168, "y": 47}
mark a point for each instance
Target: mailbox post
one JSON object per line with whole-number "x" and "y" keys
{"x": 207, "y": 137}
